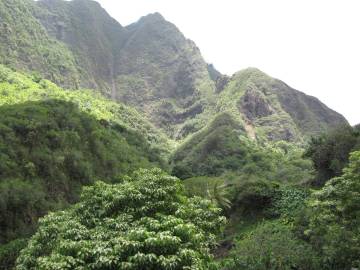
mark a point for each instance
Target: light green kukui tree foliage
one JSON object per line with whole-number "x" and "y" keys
{"x": 145, "y": 222}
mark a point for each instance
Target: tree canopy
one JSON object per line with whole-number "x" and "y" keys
{"x": 330, "y": 151}
{"x": 335, "y": 219}
{"x": 144, "y": 222}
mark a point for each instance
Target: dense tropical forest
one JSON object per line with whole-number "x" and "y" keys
{"x": 121, "y": 148}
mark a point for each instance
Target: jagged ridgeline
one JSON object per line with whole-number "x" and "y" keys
{"x": 148, "y": 64}
{"x": 151, "y": 66}
{"x": 54, "y": 141}
{"x": 271, "y": 110}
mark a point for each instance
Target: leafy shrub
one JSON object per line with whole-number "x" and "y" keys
{"x": 287, "y": 203}
{"x": 254, "y": 195}
{"x": 334, "y": 221}
{"x": 145, "y": 222}
{"x": 330, "y": 152}
{"x": 9, "y": 252}
{"x": 271, "y": 246}
{"x": 273, "y": 198}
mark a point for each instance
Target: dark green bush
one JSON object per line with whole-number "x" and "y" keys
{"x": 254, "y": 195}
{"x": 334, "y": 223}
{"x": 271, "y": 246}
{"x": 330, "y": 152}
{"x": 9, "y": 252}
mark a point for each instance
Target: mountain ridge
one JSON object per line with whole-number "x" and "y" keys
{"x": 261, "y": 99}
{"x": 152, "y": 66}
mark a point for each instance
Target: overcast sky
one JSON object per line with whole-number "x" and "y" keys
{"x": 312, "y": 45}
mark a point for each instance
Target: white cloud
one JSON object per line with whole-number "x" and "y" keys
{"x": 314, "y": 46}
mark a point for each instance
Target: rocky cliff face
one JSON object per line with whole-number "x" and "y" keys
{"x": 163, "y": 74}
{"x": 273, "y": 109}
{"x": 151, "y": 66}
{"x": 148, "y": 64}
{"x": 91, "y": 35}
{"x": 309, "y": 114}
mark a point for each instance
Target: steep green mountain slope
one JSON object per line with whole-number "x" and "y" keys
{"x": 235, "y": 140}
{"x": 252, "y": 105}
{"x": 94, "y": 38}
{"x": 49, "y": 150}
{"x": 25, "y": 44}
{"x": 212, "y": 150}
{"x": 19, "y": 88}
{"x": 270, "y": 109}
{"x": 54, "y": 141}
{"x": 222, "y": 147}
{"x": 151, "y": 66}
{"x": 169, "y": 77}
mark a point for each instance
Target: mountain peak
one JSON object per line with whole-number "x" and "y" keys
{"x": 152, "y": 17}
{"x": 251, "y": 71}
{"x": 155, "y": 15}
